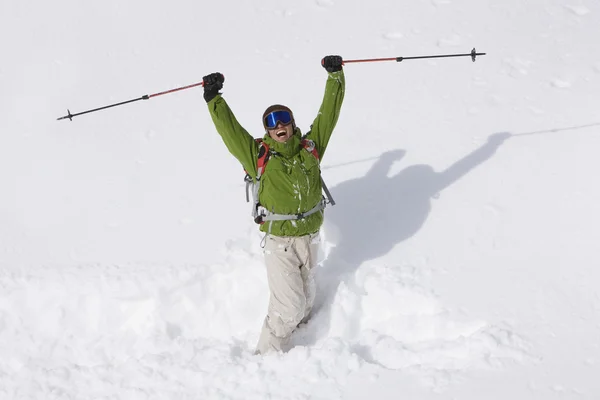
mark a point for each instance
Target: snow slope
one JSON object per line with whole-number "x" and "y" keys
{"x": 459, "y": 262}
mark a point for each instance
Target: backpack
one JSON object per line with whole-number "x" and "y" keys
{"x": 260, "y": 213}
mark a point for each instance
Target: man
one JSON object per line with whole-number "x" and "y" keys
{"x": 289, "y": 203}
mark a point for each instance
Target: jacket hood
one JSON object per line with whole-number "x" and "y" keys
{"x": 287, "y": 149}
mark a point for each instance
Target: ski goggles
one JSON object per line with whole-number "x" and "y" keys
{"x": 282, "y": 116}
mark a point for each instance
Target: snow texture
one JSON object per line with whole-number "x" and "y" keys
{"x": 459, "y": 262}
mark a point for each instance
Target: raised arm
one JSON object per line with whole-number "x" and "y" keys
{"x": 238, "y": 141}
{"x": 324, "y": 123}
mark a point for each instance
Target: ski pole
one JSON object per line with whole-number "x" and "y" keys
{"x": 473, "y": 55}
{"x": 144, "y": 97}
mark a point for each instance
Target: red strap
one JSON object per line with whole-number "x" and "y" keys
{"x": 263, "y": 157}
{"x": 310, "y": 146}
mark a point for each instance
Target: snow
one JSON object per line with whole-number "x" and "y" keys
{"x": 459, "y": 262}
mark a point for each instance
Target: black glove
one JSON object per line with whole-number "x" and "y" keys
{"x": 332, "y": 63}
{"x": 212, "y": 84}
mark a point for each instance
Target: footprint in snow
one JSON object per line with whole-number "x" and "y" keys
{"x": 578, "y": 10}
{"x": 560, "y": 83}
{"x": 393, "y": 36}
{"x": 518, "y": 67}
{"x": 449, "y": 41}
{"x": 325, "y": 3}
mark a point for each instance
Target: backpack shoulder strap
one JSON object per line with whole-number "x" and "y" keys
{"x": 253, "y": 181}
{"x": 263, "y": 158}
{"x": 310, "y": 146}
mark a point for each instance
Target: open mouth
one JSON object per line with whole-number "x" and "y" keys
{"x": 281, "y": 133}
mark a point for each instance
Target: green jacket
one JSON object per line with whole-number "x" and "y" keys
{"x": 291, "y": 182}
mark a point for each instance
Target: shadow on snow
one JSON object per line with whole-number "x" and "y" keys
{"x": 379, "y": 212}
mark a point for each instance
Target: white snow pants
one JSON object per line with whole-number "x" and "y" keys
{"x": 290, "y": 263}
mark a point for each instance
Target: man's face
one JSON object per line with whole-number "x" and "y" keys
{"x": 281, "y": 133}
